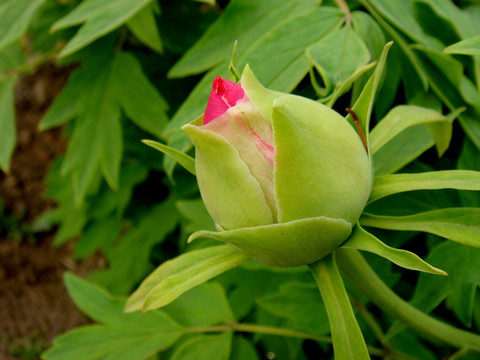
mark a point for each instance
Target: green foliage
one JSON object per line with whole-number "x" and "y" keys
{"x": 409, "y": 69}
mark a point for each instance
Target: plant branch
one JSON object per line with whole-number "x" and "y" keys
{"x": 260, "y": 329}
{"x": 31, "y": 65}
{"x": 271, "y": 330}
{"x": 354, "y": 266}
{"x": 344, "y": 7}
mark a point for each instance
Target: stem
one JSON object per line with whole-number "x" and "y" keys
{"x": 348, "y": 342}
{"x": 260, "y": 329}
{"x": 271, "y": 330}
{"x": 366, "y": 280}
{"x": 31, "y": 65}
{"x": 370, "y": 320}
{"x": 344, "y": 7}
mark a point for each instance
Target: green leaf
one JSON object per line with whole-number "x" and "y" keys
{"x": 243, "y": 21}
{"x": 196, "y": 215}
{"x": 243, "y": 349}
{"x": 7, "y": 123}
{"x": 278, "y": 59}
{"x": 71, "y": 100}
{"x": 96, "y": 140}
{"x": 111, "y": 149}
{"x": 205, "y": 347}
{"x": 469, "y": 159}
{"x": 99, "y": 233}
{"x": 457, "y": 224}
{"x": 364, "y": 104}
{"x": 402, "y": 149}
{"x": 337, "y": 57}
{"x": 183, "y": 159}
{"x": 449, "y": 179}
{"x": 176, "y": 276}
{"x": 363, "y": 240}
{"x": 348, "y": 342}
{"x": 399, "y": 39}
{"x": 370, "y": 32}
{"x": 402, "y": 15}
{"x": 411, "y": 344}
{"x": 140, "y": 100}
{"x": 404, "y": 116}
{"x": 120, "y": 336}
{"x": 204, "y": 305}
{"x": 129, "y": 258}
{"x": 453, "y": 15}
{"x": 99, "y": 20}
{"x": 459, "y": 287}
{"x": 15, "y": 16}
{"x": 446, "y": 79}
{"x": 144, "y": 27}
{"x": 247, "y": 285}
{"x": 300, "y": 304}
{"x": 470, "y": 46}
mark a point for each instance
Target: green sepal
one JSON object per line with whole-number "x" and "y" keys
{"x": 363, "y": 240}
{"x": 231, "y": 194}
{"x": 294, "y": 243}
{"x": 183, "y": 159}
{"x": 260, "y": 96}
{"x": 320, "y": 159}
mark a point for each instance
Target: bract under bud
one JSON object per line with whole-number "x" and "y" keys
{"x": 271, "y": 166}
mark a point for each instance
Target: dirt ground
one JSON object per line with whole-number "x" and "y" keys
{"x": 34, "y": 305}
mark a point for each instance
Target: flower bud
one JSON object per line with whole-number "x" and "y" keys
{"x": 285, "y": 178}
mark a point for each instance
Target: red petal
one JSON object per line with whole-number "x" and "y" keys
{"x": 224, "y": 95}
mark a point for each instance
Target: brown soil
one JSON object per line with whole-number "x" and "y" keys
{"x": 34, "y": 305}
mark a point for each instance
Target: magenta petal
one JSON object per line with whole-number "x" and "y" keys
{"x": 224, "y": 95}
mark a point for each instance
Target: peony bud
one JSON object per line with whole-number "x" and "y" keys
{"x": 285, "y": 178}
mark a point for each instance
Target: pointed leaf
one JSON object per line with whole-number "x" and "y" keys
{"x": 279, "y": 60}
{"x": 337, "y": 57}
{"x": 120, "y": 337}
{"x": 363, "y": 240}
{"x": 470, "y": 46}
{"x": 15, "y": 16}
{"x": 457, "y": 224}
{"x": 400, "y": 40}
{"x": 140, "y": 100}
{"x": 364, "y": 104}
{"x": 99, "y": 20}
{"x": 242, "y": 21}
{"x": 129, "y": 258}
{"x": 449, "y": 179}
{"x": 144, "y": 27}
{"x": 111, "y": 150}
{"x": 68, "y": 103}
{"x": 402, "y": 149}
{"x": 404, "y": 116}
{"x": 463, "y": 277}
{"x": 183, "y": 159}
{"x": 176, "y": 276}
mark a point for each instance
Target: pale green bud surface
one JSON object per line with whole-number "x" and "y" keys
{"x": 284, "y": 178}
